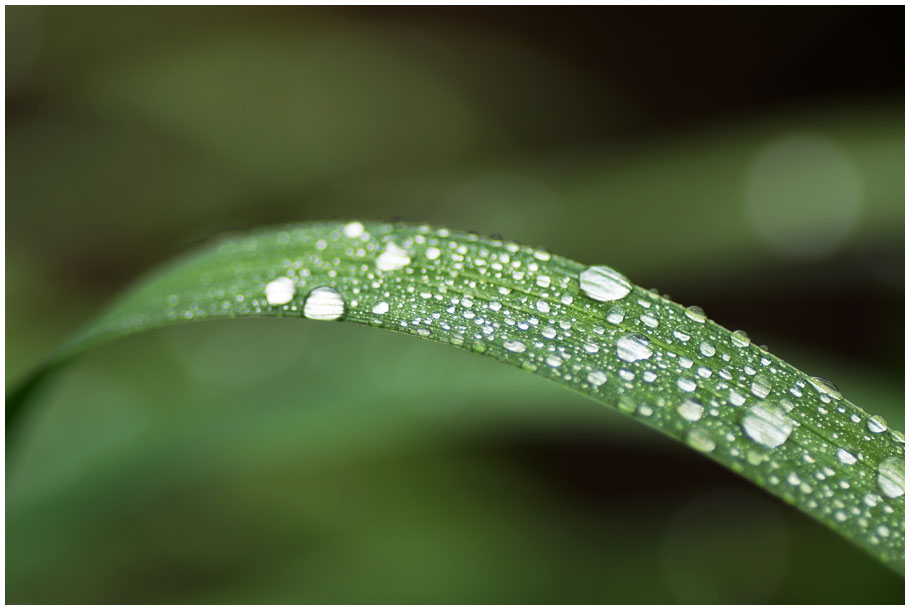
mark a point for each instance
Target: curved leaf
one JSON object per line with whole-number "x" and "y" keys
{"x": 586, "y": 328}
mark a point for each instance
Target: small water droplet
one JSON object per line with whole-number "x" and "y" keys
{"x": 515, "y": 346}
{"x": 433, "y": 253}
{"x": 381, "y": 308}
{"x": 392, "y": 258}
{"x": 706, "y": 349}
{"x": 616, "y": 315}
{"x": 891, "y": 477}
{"x": 543, "y": 306}
{"x": 686, "y": 385}
{"x": 845, "y": 457}
{"x": 740, "y": 338}
{"x": 696, "y": 314}
{"x": 323, "y": 303}
{"x": 280, "y": 291}
{"x": 690, "y": 409}
{"x": 877, "y": 424}
{"x": 767, "y": 425}
{"x": 604, "y": 284}
{"x": 700, "y": 440}
{"x": 825, "y": 386}
{"x": 554, "y": 361}
{"x": 761, "y": 386}
{"x": 353, "y": 230}
{"x": 633, "y": 347}
{"x": 597, "y": 378}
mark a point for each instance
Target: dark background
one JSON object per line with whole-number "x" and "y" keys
{"x": 281, "y": 461}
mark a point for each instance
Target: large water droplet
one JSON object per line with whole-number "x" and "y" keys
{"x": 825, "y": 386}
{"x": 690, "y": 409}
{"x": 767, "y": 425}
{"x": 633, "y": 347}
{"x": 323, "y": 303}
{"x": 604, "y": 284}
{"x": 877, "y": 424}
{"x": 891, "y": 477}
{"x": 381, "y": 308}
{"x": 392, "y": 258}
{"x": 740, "y": 338}
{"x": 696, "y": 314}
{"x": 700, "y": 440}
{"x": 515, "y": 346}
{"x": 280, "y": 291}
{"x": 353, "y": 229}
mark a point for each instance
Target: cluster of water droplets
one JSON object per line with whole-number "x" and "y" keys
{"x": 588, "y": 327}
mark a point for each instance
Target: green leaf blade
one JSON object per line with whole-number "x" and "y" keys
{"x": 585, "y": 328}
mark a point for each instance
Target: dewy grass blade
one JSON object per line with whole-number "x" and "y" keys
{"x": 587, "y": 328}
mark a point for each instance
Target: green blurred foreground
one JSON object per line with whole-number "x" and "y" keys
{"x": 289, "y": 461}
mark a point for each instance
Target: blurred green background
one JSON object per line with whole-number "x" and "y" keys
{"x": 748, "y": 160}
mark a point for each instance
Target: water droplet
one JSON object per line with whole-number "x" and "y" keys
{"x": 891, "y": 477}
{"x": 761, "y": 386}
{"x": 597, "y": 378}
{"x": 323, "y": 303}
{"x": 392, "y": 258}
{"x": 696, "y": 314}
{"x": 649, "y": 320}
{"x": 877, "y": 424}
{"x": 740, "y": 338}
{"x": 515, "y": 346}
{"x": 543, "y": 306}
{"x": 616, "y": 315}
{"x": 681, "y": 335}
{"x": 700, "y": 440}
{"x": 604, "y": 284}
{"x": 686, "y": 385}
{"x": 433, "y": 253}
{"x": 633, "y": 347}
{"x": 353, "y": 230}
{"x": 280, "y": 291}
{"x": 737, "y": 399}
{"x": 554, "y": 361}
{"x": 690, "y": 409}
{"x": 825, "y": 386}
{"x": 845, "y": 457}
{"x": 380, "y": 308}
{"x": 707, "y": 349}
{"x": 767, "y": 425}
